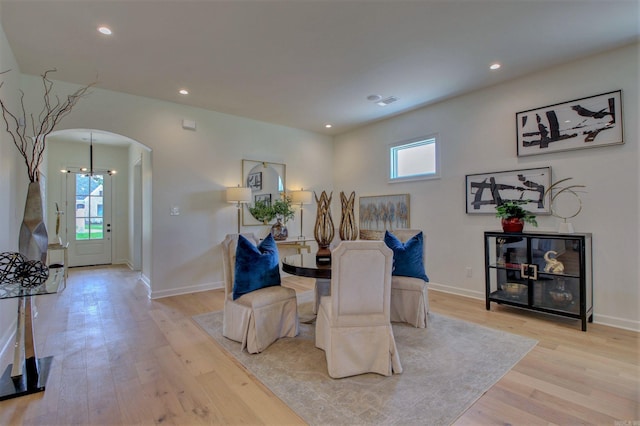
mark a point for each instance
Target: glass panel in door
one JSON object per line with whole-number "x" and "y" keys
{"x": 90, "y": 240}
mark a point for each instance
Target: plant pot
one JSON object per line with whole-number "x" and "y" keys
{"x": 513, "y": 224}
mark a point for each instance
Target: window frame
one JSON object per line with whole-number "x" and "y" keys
{"x": 392, "y": 158}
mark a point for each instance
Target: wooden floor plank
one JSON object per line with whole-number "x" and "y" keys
{"x": 120, "y": 358}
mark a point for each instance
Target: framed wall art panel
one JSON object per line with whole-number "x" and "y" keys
{"x": 383, "y": 212}
{"x": 254, "y": 181}
{"x": 582, "y": 123}
{"x": 485, "y": 191}
{"x": 263, "y": 198}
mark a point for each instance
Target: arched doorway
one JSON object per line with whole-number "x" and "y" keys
{"x": 97, "y": 205}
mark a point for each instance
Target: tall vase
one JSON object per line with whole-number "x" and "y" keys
{"x": 33, "y": 239}
{"x": 323, "y": 230}
{"x": 348, "y": 228}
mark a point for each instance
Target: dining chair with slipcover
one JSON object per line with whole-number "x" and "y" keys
{"x": 409, "y": 282}
{"x": 257, "y": 309}
{"x": 353, "y": 324}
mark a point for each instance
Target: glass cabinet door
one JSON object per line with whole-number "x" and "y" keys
{"x": 507, "y": 269}
{"x": 557, "y": 285}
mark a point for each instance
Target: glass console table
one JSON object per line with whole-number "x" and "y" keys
{"x": 28, "y": 374}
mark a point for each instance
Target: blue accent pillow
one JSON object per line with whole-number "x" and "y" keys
{"x": 256, "y": 267}
{"x": 407, "y": 257}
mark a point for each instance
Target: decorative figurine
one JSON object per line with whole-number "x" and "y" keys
{"x": 553, "y": 264}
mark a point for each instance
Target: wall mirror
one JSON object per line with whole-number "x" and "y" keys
{"x": 267, "y": 181}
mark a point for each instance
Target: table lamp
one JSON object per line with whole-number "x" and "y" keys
{"x": 301, "y": 197}
{"x": 239, "y": 195}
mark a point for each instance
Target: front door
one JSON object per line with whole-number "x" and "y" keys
{"x": 89, "y": 219}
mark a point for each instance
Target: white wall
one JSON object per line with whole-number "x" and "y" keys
{"x": 13, "y": 184}
{"x": 191, "y": 170}
{"x": 477, "y": 133}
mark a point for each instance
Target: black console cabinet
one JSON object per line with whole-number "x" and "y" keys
{"x": 520, "y": 271}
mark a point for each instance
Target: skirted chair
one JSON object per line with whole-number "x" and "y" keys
{"x": 353, "y": 324}
{"x": 257, "y": 315}
{"x": 409, "y": 283}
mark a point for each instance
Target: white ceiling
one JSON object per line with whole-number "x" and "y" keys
{"x": 304, "y": 63}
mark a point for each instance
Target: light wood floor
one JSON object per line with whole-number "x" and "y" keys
{"x": 120, "y": 358}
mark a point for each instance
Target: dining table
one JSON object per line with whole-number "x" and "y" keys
{"x": 307, "y": 265}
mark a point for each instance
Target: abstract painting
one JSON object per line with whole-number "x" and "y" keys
{"x": 485, "y": 191}
{"x": 384, "y": 212}
{"x": 582, "y": 123}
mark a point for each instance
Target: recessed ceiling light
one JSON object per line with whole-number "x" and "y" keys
{"x": 374, "y": 98}
{"x": 328, "y": 126}
{"x": 184, "y": 92}
{"x": 104, "y": 30}
{"x": 495, "y": 66}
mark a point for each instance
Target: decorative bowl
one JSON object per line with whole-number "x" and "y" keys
{"x": 514, "y": 289}
{"x": 561, "y": 297}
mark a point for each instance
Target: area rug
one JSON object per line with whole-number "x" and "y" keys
{"x": 447, "y": 367}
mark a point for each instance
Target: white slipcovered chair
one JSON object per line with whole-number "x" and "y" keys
{"x": 409, "y": 296}
{"x": 353, "y": 325}
{"x": 259, "y": 318}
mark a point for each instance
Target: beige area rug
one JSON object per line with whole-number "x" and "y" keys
{"x": 447, "y": 367}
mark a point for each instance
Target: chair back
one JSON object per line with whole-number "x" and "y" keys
{"x": 402, "y": 234}
{"x": 229, "y": 246}
{"x": 361, "y": 283}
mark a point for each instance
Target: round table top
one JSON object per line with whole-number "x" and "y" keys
{"x": 305, "y": 265}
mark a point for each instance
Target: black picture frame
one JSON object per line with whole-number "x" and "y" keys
{"x": 581, "y": 123}
{"x": 254, "y": 181}
{"x": 485, "y": 191}
{"x": 265, "y": 198}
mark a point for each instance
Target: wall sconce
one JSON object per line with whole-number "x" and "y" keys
{"x": 301, "y": 197}
{"x": 239, "y": 195}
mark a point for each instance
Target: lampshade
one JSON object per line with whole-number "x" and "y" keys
{"x": 238, "y": 195}
{"x": 301, "y": 197}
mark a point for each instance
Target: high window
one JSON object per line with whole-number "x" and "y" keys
{"x": 415, "y": 159}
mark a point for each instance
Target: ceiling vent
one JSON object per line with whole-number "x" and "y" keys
{"x": 387, "y": 101}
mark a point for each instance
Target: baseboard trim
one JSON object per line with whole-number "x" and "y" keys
{"x": 146, "y": 281}
{"x": 185, "y": 290}
{"x": 597, "y": 319}
{"x": 617, "y": 322}
{"x": 457, "y": 291}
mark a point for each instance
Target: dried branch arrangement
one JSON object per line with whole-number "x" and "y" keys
{"x": 32, "y": 146}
